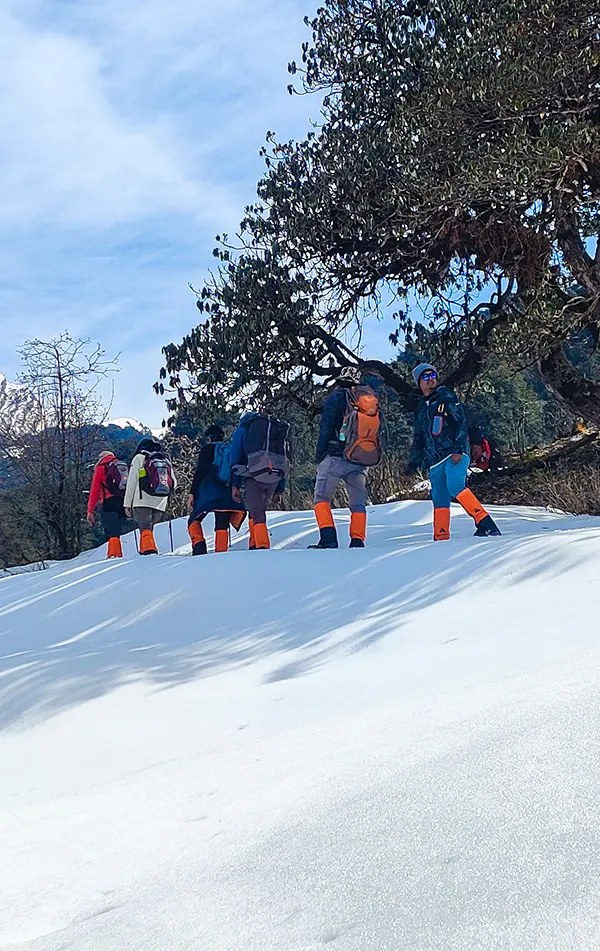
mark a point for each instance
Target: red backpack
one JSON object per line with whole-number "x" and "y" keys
{"x": 481, "y": 451}
{"x": 115, "y": 477}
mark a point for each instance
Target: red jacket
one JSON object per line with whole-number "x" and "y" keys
{"x": 98, "y": 490}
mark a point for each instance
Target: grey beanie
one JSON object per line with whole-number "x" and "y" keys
{"x": 418, "y": 372}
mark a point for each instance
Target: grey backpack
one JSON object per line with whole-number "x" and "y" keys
{"x": 265, "y": 446}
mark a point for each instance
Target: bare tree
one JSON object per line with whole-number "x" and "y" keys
{"x": 48, "y": 447}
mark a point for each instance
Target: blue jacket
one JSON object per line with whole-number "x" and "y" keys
{"x": 210, "y": 495}
{"x": 332, "y": 417}
{"x": 238, "y": 455}
{"x": 443, "y": 414}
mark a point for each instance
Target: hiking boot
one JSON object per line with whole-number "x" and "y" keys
{"x": 328, "y": 538}
{"x": 487, "y": 526}
{"x": 356, "y": 543}
{"x": 199, "y": 548}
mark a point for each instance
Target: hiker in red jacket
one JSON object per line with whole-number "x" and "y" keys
{"x": 111, "y": 499}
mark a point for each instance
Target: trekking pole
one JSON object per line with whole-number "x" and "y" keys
{"x": 137, "y": 547}
{"x": 171, "y": 535}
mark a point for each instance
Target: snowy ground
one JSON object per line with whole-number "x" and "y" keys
{"x": 393, "y": 749}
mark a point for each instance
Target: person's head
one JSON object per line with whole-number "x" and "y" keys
{"x": 105, "y": 454}
{"x": 349, "y": 377}
{"x": 214, "y": 433}
{"x": 426, "y": 378}
{"x": 148, "y": 445}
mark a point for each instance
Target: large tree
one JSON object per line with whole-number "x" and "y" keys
{"x": 456, "y": 172}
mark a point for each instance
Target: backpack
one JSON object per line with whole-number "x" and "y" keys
{"x": 265, "y": 446}
{"x": 115, "y": 476}
{"x": 481, "y": 451}
{"x": 222, "y": 462}
{"x": 156, "y": 475}
{"x": 360, "y": 429}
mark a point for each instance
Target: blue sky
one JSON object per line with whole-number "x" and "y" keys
{"x": 129, "y": 136}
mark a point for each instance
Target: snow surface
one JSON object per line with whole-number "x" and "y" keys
{"x": 393, "y": 749}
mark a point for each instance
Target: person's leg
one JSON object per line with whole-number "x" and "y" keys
{"x": 111, "y": 523}
{"x": 258, "y": 496}
{"x": 456, "y": 477}
{"x": 355, "y": 478}
{"x": 251, "y": 540}
{"x": 236, "y": 519}
{"x": 440, "y": 496}
{"x": 221, "y": 531}
{"x": 327, "y": 481}
{"x": 145, "y": 518}
{"x": 196, "y": 534}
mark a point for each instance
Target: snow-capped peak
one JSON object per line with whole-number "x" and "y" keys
{"x": 128, "y": 422}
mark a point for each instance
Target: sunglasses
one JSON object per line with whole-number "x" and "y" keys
{"x": 429, "y": 375}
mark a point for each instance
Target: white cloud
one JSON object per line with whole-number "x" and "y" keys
{"x": 129, "y": 134}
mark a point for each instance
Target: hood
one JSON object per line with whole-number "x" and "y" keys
{"x": 248, "y": 416}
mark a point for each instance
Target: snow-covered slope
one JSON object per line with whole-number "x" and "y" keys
{"x": 393, "y": 749}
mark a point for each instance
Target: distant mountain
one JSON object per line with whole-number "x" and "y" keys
{"x": 128, "y": 423}
{"x": 17, "y": 415}
{"x": 16, "y": 407}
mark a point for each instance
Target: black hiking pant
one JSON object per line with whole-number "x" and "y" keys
{"x": 113, "y": 516}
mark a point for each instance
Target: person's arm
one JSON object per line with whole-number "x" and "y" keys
{"x": 237, "y": 456}
{"x": 327, "y": 425}
{"x": 461, "y": 439}
{"x": 205, "y": 460}
{"x": 133, "y": 481}
{"x": 96, "y": 492}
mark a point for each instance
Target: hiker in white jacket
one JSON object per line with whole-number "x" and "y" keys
{"x": 149, "y": 485}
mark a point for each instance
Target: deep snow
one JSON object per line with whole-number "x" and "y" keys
{"x": 393, "y": 749}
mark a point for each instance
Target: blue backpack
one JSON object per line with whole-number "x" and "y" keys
{"x": 222, "y": 462}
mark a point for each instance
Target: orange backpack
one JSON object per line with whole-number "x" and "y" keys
{"x": 360, "y": 429}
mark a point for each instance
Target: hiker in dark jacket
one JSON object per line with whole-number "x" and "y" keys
{"x": 333, "y": 468}
{"x": 113, "y": 513}
{"x": 257, "y": 495}
{"x": 441, "y": 444}
{"x": 209, "y": 494}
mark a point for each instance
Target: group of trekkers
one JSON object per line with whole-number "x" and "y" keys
{"x": 241, "y": 477}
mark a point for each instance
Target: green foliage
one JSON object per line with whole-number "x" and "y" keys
{"x": 458, "y": 162}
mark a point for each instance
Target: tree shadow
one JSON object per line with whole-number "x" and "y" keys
{"x": 76, "y": 632}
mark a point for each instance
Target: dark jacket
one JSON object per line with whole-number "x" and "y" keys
{"x": 332, "y": 417}
{"x": 443, "y": 410}
{"x": 238, "y": 455}
{"x": 210, "y": 495}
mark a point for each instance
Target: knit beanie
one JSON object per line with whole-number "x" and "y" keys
{"x": 418, "y": 372}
